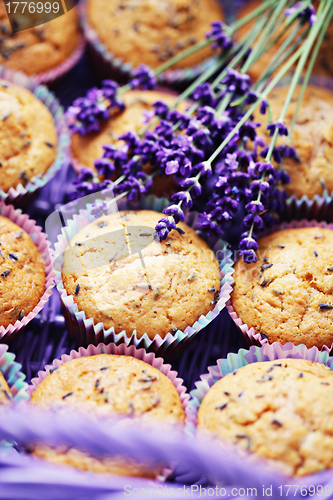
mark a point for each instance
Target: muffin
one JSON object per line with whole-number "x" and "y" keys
{"x": 107, "y": 385}
{"x": 152, "y": 31}
{"x": 287, "y": 295}
{"x": 28, "y": 145}
{"x": 324, "y": 63}
{"x": 119, "y": 276}
{"x": 22, "y": 273}
{"x": 277, "y": 409}
{"x": 312, "y": 138}
{"x": 37, "y": 50}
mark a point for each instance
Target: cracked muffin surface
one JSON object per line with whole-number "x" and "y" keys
{"x": 152, "y": 31}
{"x": 120, "y": 276}
{"x": 287, "y": 295}
{"x": 312, "y": 138}
{"x": 281, "y": 410}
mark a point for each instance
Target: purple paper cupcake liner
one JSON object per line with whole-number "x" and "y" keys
{"x": 53, "y": 75}
{"x": 84, "y": 331}
{"x": 22, "y": 194}
{"x": 234, "y": 361}
{"x": 249, "y": 333}
{"x": 115, "y": 67}
{"x": 43, "y": 245}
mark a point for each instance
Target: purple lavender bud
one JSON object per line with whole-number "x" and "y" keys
{"x": 249, "y": 256}
{"x": 193, "y": 185}
{"x": 172, "y": 167}
{"x": 220, "y": 37}
{"x": 255, "y": 207}
{"x": 263, "y": 106}
{"x": 105, "y": 167}
{"x": 176, "y": 212}
{"x": 99, "y": 209}
{"x": 143, "y": 77}
{"x": 248, "y": 243}
{"x": 161, "y": 109}
{"x": 184, "y": 197}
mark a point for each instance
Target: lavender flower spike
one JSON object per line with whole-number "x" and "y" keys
{"x": 308, "y": 15}
{"x": 220, "y": 36}
{"x": 282, "y": 129}
{"x": 143, "y": 77}
{"x": 100, "y": 209}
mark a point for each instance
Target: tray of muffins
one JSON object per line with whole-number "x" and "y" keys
{"x": 166, "y": 251}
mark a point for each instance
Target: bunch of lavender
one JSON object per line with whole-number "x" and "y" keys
{"x": 212, "y": 150}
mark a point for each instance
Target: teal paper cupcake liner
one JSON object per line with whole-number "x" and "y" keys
{"x": 11, "y": 370}
{"x": 248, "y": 332}
{"x": 21, "y": 194}
{"x": 115, "y": 67}
{"x": 84, "y": 331}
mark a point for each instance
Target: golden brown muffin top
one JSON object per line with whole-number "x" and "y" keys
{"x": 287, "y": 295}
{"x": 312, "y": 138}
{"x": 324, "y": 62}
{"x": 22, "y": 273}
{"x": 278, "y": 409}
{"x": 108, "y": 384}
{"x": 152, "y": 31}
{"x": 120, "y": 276}
{"x": 27, "y": 132}
{"x": 39, "y": 49}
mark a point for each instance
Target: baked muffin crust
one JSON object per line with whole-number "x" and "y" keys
{"x": 22, "y": 273}
{"x": 106, "y": 275}
{"x": 287, "y": 295}
{"x": 312, "y": 138}
{"x": 28, "y": 137}
{"x": 152, "y": 31}
{"x": 39, "y": 49}
{"x": 278, "y": 409}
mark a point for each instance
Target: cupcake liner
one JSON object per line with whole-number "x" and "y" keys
{"x": 124, "y": 350}
{"x": 22, "y": 194}
{"x": 115, "y": 67}
{"x": 13, "y": 375}
{"x": 54, "y": 74}
{"x": 243, "y": 357}
{"x": 40, "y": 240}
{"x": 249, "y": 334}
{"x": 84, "y": 331}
